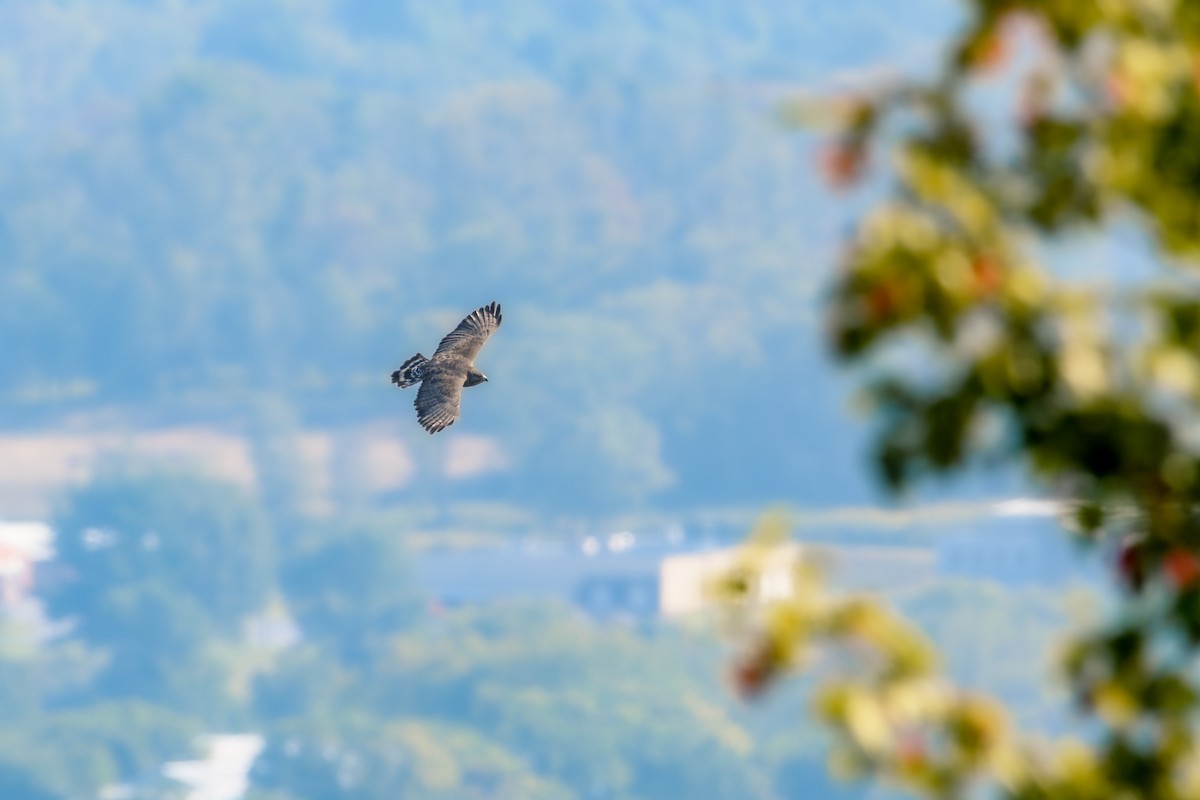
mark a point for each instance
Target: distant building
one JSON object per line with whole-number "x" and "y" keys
{"x": 1014, "y": 542}
{"x": 224, "y": 773}
{"x": 618, "y": 576}
{"x": 687, "y": 577}
{"x": 613, "y": 576}
{"x": 22, "y": 545}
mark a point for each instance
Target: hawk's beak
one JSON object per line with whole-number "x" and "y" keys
{"x": 485, "y": 378}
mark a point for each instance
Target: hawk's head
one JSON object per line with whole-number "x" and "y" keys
{"x": 474, "y": 376}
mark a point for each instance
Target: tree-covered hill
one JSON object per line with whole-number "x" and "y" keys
{"x": 204, "y": 203}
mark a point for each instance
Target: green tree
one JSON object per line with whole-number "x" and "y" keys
{"x": 480, "y": 702}
{"x": 76, "y": 752}
{"x": 160, "y": 566}
{"x": 56, "y": 746}
{"x": 364, "y": 758}
{"x": 984, "y": 341}
{"x": 350, "y": 590}
{"x": 588, "y": 705}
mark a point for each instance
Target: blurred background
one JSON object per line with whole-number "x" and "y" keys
{"x": 233, "y": 565}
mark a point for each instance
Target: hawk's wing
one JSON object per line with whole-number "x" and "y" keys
{"x": 471, "y": 333}
{"x": 437, "y": 399}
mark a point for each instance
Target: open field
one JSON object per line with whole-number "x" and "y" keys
{"x": 365, "y": 461}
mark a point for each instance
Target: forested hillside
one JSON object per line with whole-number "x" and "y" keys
{"x": 208, "y": 209}
{"x": 172, "y": 591}
{"x": 223, "y": 224}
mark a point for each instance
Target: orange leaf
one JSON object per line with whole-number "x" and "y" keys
{"x": 881, "y": 302}
{"x": 987, "y": 276}
{"x": 993, "y": 53}
{"x": 1182, "y": 567}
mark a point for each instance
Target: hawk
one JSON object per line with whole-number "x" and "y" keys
{"x": 451, "y": 367}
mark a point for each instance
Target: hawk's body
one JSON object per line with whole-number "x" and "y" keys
{"x": 451, "y": 367}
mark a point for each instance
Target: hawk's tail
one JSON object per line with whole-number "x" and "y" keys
{"x": 410, "y": 372}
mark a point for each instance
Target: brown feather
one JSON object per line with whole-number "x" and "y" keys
{"x": 451, "y": 366}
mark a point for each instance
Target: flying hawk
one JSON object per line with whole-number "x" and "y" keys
{"x": 451, "y": 367}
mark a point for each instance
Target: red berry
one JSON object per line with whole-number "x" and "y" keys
{"x": 1129, "y": 564}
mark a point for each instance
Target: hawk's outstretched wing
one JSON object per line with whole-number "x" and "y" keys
{"x": 438, "y": 398}
{"x": 471, "y": 333}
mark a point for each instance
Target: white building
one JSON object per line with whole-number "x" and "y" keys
{"x": 619, "y": 576}
{"x": 22, "y": 544}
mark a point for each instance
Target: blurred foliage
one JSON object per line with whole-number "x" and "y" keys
{"x": 1000, "y": 622}
{"x": 1048, "y": 123}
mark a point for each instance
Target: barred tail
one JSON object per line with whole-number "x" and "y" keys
{"x": 410, "y": 372}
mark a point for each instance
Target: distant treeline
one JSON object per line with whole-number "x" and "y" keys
{"x": 202, "y": 205}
